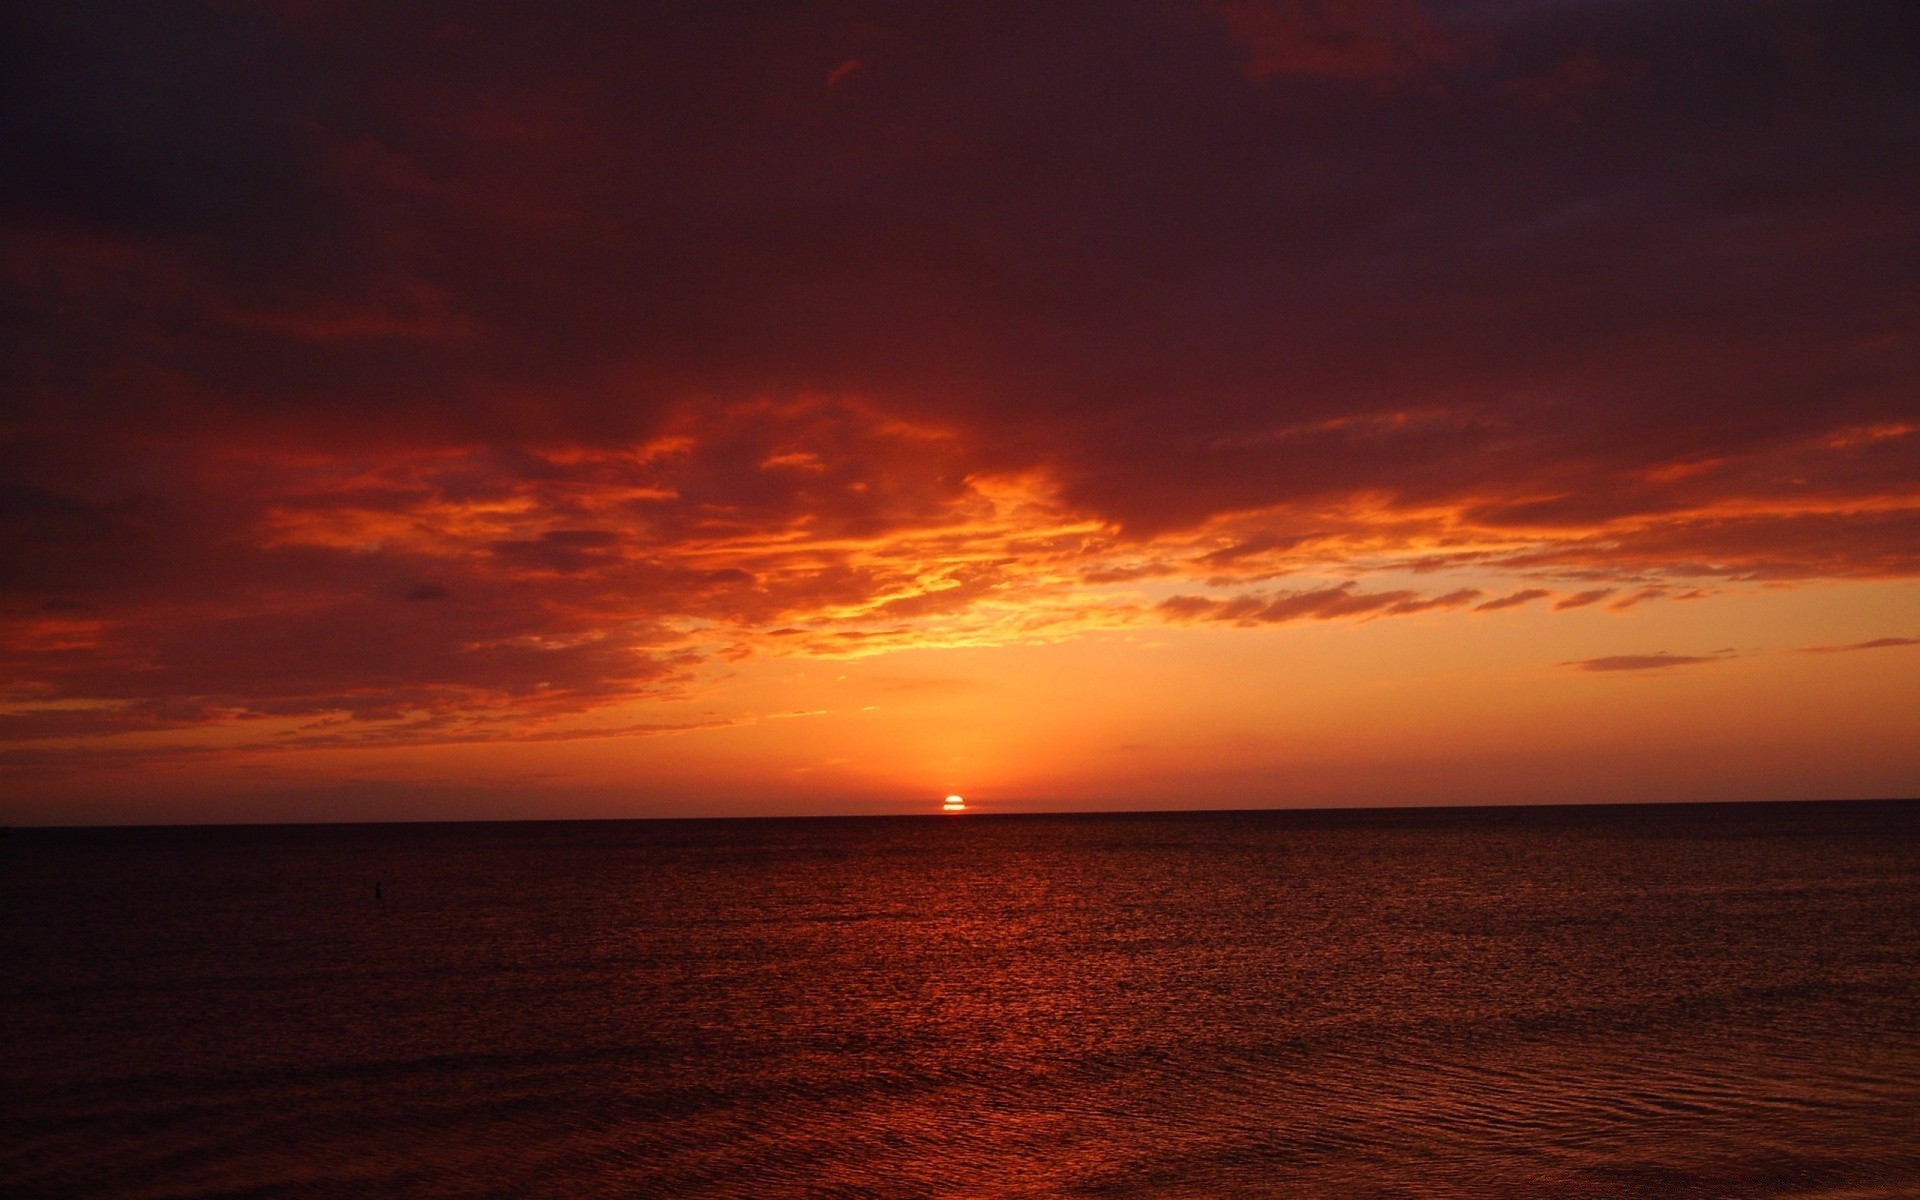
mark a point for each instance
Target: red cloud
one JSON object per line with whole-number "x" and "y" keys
{"x": 1374, "y": 40}
{"x": 414, "y": 391}
{"x": 1579, "y": 78}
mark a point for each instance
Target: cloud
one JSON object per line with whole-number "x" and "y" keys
{"x": 1885, "y": 643}
{"x": 1320, "y": 604}
{"x": 1641, "y": 662}
{"x": 540, "y": 369}
{"x": 50, "y": 759}
{"x": 1370, "y": 40}
{"x": 1513, "y": 599}
{"x": 1453, "y": 599}
{"x": 1578, "y": 80}
{"x": 1582, "y": 599}
{"x": 1638, "y": 597}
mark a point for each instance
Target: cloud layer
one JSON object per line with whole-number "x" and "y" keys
{"x": 446, "y": 373}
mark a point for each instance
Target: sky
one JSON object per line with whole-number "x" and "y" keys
{"x": 441, "y": 411}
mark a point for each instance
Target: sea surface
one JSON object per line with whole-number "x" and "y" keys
{"x": 1710, "y": 1001}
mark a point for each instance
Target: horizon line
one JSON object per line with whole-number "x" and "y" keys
{"x": 989, "y": 814}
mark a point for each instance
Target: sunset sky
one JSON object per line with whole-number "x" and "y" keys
{"x": 430, "y": 410}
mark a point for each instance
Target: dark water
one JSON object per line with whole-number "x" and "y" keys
{"x": 1710, "y": 1002}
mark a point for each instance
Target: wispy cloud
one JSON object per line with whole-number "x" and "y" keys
{"x": 1582, "y": 599}
{"x": 1642, "y": 662}
{"x": 1320, "y": 604}
{"x": 1513, "y": 599}
{"x": 1885, "y": 643}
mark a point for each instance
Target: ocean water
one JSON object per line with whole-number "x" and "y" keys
{"x": 1715, "y": 1001}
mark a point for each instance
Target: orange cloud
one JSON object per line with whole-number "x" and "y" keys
{"x": 1582, "y": 599}
{"x": 428, "y": 400}
{"x": 1513, "y": 599}
{"x": 448, "y": 594}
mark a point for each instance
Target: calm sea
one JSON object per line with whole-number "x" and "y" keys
{"x": 1711, "y": 1001}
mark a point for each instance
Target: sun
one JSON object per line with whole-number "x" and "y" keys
{"x": 953, "y": 804}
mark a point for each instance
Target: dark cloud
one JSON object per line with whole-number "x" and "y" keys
{"x": 1318, "y": 604}
{"x": 1641, "y": 662}
{"x": 1365, "y": 40}
{"x": 602, "y": 325}
{"x": 1885, "y": 643}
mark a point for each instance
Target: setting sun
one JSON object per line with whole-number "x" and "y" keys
{"x": 953, "y": 804}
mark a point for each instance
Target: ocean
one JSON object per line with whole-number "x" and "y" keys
{"x": 1675, "y": 1001}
